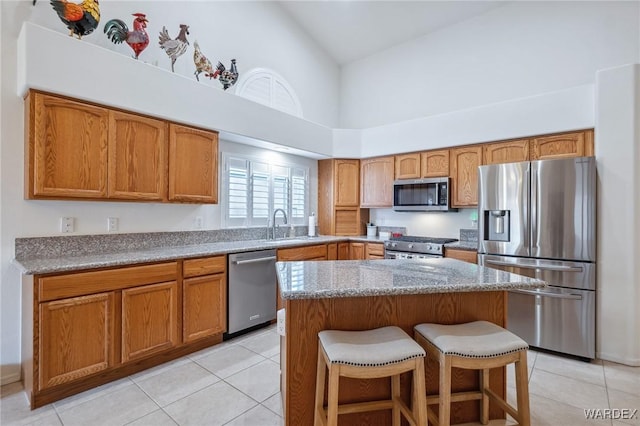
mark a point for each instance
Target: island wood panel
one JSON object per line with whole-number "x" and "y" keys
{"x": 464, "y": 255}
{"x": 305, "y": 318}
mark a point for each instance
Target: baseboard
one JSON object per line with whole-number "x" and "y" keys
{"x": 617, "y": 359}
{"x": 10, "y": 377}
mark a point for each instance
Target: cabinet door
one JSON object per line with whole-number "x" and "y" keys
{"x": 347, "y": 183}
{"x": 376, "y": 182}
{"x": 76, "y": 338}
{"x": 408, "y": 166}
{"x": 149, "y": 319}
{"x": 67, "y": 148}
{"x": 343, "y": 251}
{"x": 505, "y": 152}
{"x": 464, "y": 175}
{"x": 137, "y": 157}
{"x": 203, "y": 306}
{"x": 435, "y": 163}
{"x": 349, "y": 221}
{"x": 565, "y": 145}
{"x": 356, "y": 251}
{"x": 332, "y": 251}
{"x": 193, "y": 165}
{"x": 374, "y": 251}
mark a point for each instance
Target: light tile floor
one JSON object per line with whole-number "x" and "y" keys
{"x": 236, "y": 383}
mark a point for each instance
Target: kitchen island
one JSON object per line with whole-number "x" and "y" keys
{"x": 359, "y": 295}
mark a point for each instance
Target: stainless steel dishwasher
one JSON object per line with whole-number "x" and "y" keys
{"x": 251, "y": 293}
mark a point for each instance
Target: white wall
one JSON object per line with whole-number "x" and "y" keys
{"x": 257, "y": 34}
{"x": 517, "y": 50}
{"x": 618, "y": 156}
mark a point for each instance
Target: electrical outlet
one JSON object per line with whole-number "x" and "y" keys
{"x": 67, "y": 224}
{"x": 197, "y": 222}
{"x": 112, "y": 224}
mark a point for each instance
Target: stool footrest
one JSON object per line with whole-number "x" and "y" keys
{"x": 360, "y": 407}
{"x": 456, "y": 397}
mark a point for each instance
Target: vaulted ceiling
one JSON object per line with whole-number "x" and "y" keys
{"x": 351, "y": 30}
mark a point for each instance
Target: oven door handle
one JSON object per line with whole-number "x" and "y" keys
{"x": 540, "y": 267}
{"x": 569, "y": 296}
{"x": 256, "y": 260}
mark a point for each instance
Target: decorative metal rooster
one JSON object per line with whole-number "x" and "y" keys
{"x": 138, "y": 39}
{"x": 81, "y": 19}
{"x": 202, "y": 63}
{"x": 177, "y": 47}
{"x": 227, "y": 77}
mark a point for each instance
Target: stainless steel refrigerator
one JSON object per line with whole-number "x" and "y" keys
{"x": 538, "y": 219}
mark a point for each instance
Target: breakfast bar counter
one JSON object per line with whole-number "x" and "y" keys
{"x": 361, "y": 295}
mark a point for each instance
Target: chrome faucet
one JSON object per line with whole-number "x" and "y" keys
{"x": 273, "y": 221}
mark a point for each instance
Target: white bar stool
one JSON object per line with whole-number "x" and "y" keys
{"x": 478, "y": 345}
{"x": 369, "y": 354}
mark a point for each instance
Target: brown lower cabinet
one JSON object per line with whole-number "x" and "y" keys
{"x": 87, "y": 328}
{"x": 464, "y": 255}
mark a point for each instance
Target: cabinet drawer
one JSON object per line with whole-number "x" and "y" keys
{"x": 375, "y": 249}
{"x": 317, "y": 252}
{"x": 82, "y": 283}
{"x": 204, "y": 266}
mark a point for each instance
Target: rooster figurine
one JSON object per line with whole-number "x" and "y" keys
{"x": 177, "y": 47}
{"x": 203, "y": 64}
{"x": 138, "y": 39}
{"x": 227, "y": 77}
{"x": 81, "y": 19}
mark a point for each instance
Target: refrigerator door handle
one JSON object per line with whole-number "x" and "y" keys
{"x": 541, "y": 267}
{"x": 552, "y": 295}
{"x": 533, "y": 206}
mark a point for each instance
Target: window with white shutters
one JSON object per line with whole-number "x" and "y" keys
{"x": 254, "y": 189}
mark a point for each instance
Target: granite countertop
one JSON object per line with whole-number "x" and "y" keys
{"x": 91, "y": 261}
{"x": 354, "y": 278}
{"x": 463, "y": 245}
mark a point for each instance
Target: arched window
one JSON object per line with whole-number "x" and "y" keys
{"x": 269, "y": 88}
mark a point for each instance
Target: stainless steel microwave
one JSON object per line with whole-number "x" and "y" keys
{"x": 430, "y": 194}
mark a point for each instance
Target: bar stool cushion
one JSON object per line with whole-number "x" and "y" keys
{"x": 478, "y": 339}
{"x": 369, "y": 348}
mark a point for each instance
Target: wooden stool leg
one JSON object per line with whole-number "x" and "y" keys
{"x": 332, "y": 397}
{"x": 321, "y": 374}
{"x": 395, "y": 397}
{"x": 444, "y": 406}
{"x": 484, "y": 403}
{"x": 522, "y": 390}
{"x": 419, "y": 394}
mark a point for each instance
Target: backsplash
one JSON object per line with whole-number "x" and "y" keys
{"x": 52, "y": 247}
{"x": 470, "y": 235}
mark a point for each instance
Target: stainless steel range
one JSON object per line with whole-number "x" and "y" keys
{"x": 410, "y": 247}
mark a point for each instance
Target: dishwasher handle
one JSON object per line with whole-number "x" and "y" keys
{"x": 257, "y": 260}
{"x": 541, "y": 267}
{"x": 552, "y": 295}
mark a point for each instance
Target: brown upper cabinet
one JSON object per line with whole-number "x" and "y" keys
{"x": 408, "y": 166}
{"x": 193, "y": 165}
{"x": 505, "y": 152}
{"x": 376, "y": 182}
{"x": 464, "y": 164}
{"x": 563, "y": 145}
{"x": 66, "y": 148}
{"x": 80, "y": 150}
{"x": 339, "y": 211}
{"x": 346, "y": 183}
{"x": 434, "y": 163}
{"x": 137, "y": 157}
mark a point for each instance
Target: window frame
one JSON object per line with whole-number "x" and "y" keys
{"x": 253, "y": 217}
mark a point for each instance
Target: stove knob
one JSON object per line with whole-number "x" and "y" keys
{"x": 410, "y": 246}
{"x": 429, "y": 247}
{"x": 393, "y": 245}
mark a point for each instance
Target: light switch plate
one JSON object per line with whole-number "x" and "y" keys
{"x": 112, "y": 224}
{"x": 67, "y": 224}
